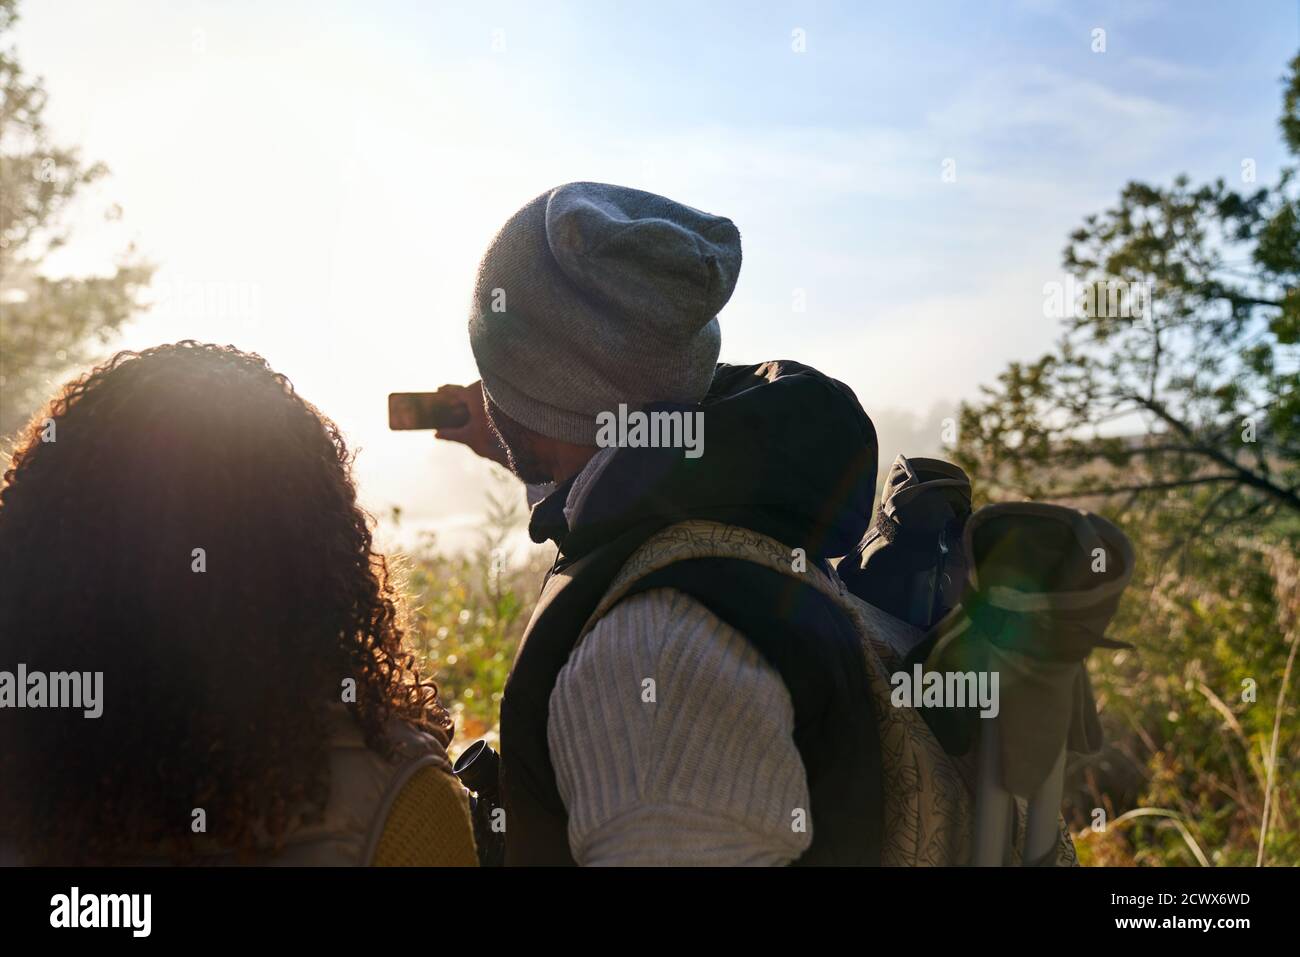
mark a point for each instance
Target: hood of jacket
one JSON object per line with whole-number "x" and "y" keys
{"x": 786, "y": 451}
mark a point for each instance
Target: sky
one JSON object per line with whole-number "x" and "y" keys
{"x": 317, "y": 181}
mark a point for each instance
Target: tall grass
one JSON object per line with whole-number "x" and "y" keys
{"x": 468, "y": 612}
{"x": 1203, "y": 765}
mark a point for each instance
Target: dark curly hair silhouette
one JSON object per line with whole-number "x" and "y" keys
{"x": 217, "y": 682}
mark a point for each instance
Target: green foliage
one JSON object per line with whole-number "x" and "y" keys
{"x": 468, "y": 613}
{"x": 1195, "y": 705}
{"x": 1181, "y": 421}
{"x": 46, "y": 325}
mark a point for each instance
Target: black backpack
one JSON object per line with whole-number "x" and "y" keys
{"x": 911, "y": 563}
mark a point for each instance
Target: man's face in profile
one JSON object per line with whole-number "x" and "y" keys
{"x": 519, "y": 445}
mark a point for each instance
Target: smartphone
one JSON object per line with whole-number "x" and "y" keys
{"x": 425, "y": 410}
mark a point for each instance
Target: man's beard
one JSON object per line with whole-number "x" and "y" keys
{"x": 517, "y": 442}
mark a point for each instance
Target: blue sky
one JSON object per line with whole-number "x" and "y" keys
{"x": 336, "y": 169}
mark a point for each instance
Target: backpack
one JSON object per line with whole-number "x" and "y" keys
{"x": 928, "y": 794}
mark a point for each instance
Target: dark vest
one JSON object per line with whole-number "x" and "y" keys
{"x": 799, "y": 631}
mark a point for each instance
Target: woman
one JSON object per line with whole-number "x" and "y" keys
{"x": 184, "y": 524}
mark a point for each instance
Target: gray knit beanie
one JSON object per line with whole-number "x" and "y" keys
{"x": 594, "y": 295}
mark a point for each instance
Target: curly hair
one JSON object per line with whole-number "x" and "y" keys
{"x": 220, "y": 666}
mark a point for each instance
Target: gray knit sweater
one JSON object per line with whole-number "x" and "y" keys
{"x": 672, "y": 743}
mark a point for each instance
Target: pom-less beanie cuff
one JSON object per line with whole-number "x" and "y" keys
{"x": 565, "y": 425}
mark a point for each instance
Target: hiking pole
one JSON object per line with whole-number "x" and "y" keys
{"x": 1041, "y": 828}
{"x": 993, "y": 805}
{"x": 995, "y": 802}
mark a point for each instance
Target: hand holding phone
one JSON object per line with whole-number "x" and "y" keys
{"x": 455, "y": 411}
{"x": 427, "y": 410}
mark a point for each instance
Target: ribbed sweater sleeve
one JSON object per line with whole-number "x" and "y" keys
{"x": 672, "y": 743}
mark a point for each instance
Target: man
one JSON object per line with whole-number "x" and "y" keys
{"x": 715, "y": 709}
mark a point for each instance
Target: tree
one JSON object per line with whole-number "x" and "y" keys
{"x": 1171, "y": 403}
{"x": 1177, "y": 368}
{"x": 46, "y": 325}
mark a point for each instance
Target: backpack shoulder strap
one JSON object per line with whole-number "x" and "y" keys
{"x": 695, "y": 540}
